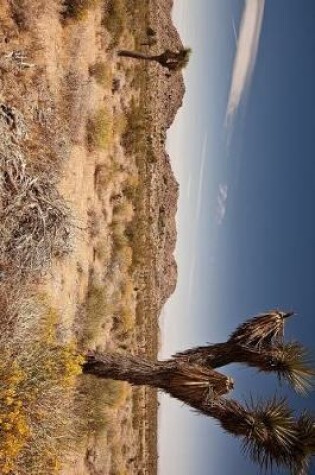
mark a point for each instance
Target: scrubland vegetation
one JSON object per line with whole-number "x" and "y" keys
{"x": 38, "y": 373}
{"x": 48, "y": 411}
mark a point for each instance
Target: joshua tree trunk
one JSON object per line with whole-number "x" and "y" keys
{"x": 186, "y": 382}
{"x": 138, "y": 55}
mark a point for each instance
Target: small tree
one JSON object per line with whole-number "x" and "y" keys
{"x": 270, "y": 433}
{"x": 171, "y": 60}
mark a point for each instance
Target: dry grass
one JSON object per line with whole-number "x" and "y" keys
{"x": 98, "y": 310}
{"x": 100, "y": 129}
{"x": 100, "y": 397}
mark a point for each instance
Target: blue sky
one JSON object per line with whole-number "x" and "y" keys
{"x": 246, "y": 233}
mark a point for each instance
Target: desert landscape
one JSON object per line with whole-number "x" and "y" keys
{"x": 88, "y": 204}
{"x": 88, "y": 201}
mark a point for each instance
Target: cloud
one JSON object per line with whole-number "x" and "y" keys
{"x": 246, "y": 54}
{"x": 221, "y": 202}
{"x": 201, "y": 176}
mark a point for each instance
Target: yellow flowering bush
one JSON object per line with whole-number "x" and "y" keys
{"x": 37, "y": 384}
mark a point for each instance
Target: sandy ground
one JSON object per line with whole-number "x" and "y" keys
{"x": 72, "y": 50}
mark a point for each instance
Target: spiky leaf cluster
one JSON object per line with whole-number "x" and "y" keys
{"x": 292, "y": 363}
{"x": 261, "y": 331}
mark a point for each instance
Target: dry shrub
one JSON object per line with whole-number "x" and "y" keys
{"x": 98, "y": 310}
{"x": 100, "y": 396}
{"x": 123, "y": 212}
{"x": 25, "y": 12}
{"x": 123, "y": 256}
{"x": 106, "y": 175}
{"x": 120, "y": 124}
{"x": 115, "y": 20}
{"x": 135, "y": 136}
{"x": 127, "y": 319}
{"x": 100, "y": 129}
{"x": 103, "y": 250}
{"x": 119, "y": 235}
{"x": 131, "y": 185}
{"x": 78, "y": 9}
{"x": 102, "y": 73}
{"x": 38, "y": 379}
{"x": 35, "y": 222}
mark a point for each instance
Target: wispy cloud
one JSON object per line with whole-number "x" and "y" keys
{"x": 246, "y": 54}
{"x": 221, "y": 202}
{"x": 201, "y": 176}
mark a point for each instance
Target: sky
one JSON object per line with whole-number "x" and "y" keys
{"x": 242, "y": 148}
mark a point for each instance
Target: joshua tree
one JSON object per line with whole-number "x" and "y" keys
{"x": 171, "y": 60}
{"x": 259, "y": 343}
{"x": 270, "y": 434}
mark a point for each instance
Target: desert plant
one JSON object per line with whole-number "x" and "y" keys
{"x": 100, "y": 129}
{"x": 98, "y": 310}
{"x": 35, "y": 222}
{"x": 270, "y": 434}
{"x": 171, "y": 60}
{"x": 78, "y": 9}
{"x": 180, "y": 380}
{"x": 258, "y": 343}
{"x": 38, "y": 380}
{"x": 262, "y": 330}
{"x": 120, "y": 238}
{"x": 102, "y": 73}
{"x": 114, "y": 20}
{"x": 98, "y": 397}
{"x": 123, "y": 212}
{"x": 124, "y": 257}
